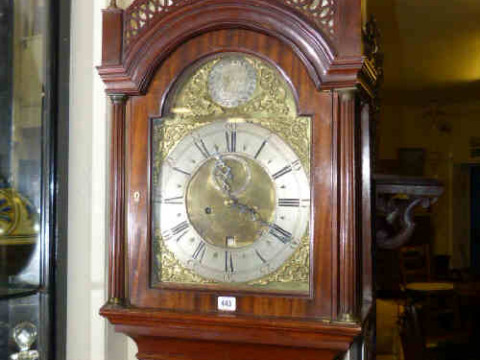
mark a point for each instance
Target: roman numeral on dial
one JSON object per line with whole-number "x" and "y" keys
{"x": 260, "y": 148}
{"x": 282, "y": 172}
{"x": 260, "y": 256}
{"x": 231, "y": 138}
{"x": 200, "y": 145}
{"x": 181, "y": 171}
{"x": 228, "y": 262}
{"x": 289, "y": 202}
{"x": 199, "y": 252}
{"x": 296, "y": 165}
{"x": 178, "y": 200}
{"x": 281, "y": 234}
{"x": 180, "y": 227}
{"x": 168, "y": 234}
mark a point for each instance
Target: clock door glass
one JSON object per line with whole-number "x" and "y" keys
{"x": 230, "y": 187}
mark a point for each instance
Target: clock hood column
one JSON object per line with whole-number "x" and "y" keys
{"x": 345, "y": 104}
{"x": 116, "y": 276}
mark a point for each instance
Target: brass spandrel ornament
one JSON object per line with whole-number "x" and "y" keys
{"x": 231, "y": 193}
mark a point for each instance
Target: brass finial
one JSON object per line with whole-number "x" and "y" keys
{"x": 113, "y": 4}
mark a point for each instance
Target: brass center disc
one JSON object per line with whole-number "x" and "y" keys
{"x": 230, "y": 200}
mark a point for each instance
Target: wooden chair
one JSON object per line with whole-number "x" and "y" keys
{"x": 418, "y": 346}
{"x": 437, "y": 299}
{"x": 415, "y": 264}
{"x": 412, "y": 335}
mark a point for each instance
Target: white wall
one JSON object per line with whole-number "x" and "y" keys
{"x": 89, "y": 337}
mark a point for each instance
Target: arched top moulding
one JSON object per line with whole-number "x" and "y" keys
{"x": 325, "y": 34}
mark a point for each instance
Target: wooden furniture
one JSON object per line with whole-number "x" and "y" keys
{"x": 152, "y": 52}
{"x": 420, "y": 342}
{"x": 396, "y": 197}
{"x": 412, "y": 335}
{"x": 415, "y": 263}
{"x": 438, "y": 298}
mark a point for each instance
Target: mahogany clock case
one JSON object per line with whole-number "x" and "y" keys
{"x": 141, "y": 109}
{"x": 180, "y": 320}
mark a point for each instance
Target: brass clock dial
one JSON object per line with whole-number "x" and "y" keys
{"x": 231, "y": 179}
{"x": 233, "y": 201}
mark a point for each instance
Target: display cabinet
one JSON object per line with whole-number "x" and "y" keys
{"x": 240, "y": 177}
{"x": 33, "y": 148}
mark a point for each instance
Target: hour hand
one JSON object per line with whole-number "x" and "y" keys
{"x": 254, "y": 215}
{"x": 224, "y": 175}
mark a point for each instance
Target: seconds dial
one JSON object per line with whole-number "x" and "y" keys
{"x": 232, "y": 203}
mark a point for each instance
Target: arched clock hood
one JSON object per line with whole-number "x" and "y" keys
{"x": 144, "y": 34}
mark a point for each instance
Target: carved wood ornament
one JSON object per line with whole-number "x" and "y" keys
{"x": 316, "y": 46}
{"x": 396, "y": 199}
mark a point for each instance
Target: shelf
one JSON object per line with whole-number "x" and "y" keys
{"x": 9, "y": 291}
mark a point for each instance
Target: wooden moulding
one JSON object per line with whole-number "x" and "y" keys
{"x": 328, "y": 66}
{"x": 230, "y": 333}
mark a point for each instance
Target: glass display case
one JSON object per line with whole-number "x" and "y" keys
{"x": 30, "y": 188}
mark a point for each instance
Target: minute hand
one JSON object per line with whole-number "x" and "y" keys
{"x": 225, "y": 173}
{"x": 281, "y": 234}
{"x": 255, "y": 216}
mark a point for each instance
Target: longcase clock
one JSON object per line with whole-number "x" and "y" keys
{"x": 240, "y": 214}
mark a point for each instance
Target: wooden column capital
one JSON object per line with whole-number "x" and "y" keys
{"x": 346, "y": 94}
{"x": 118, "y": 98}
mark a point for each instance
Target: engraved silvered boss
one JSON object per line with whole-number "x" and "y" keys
{"x": 232, "y": 81}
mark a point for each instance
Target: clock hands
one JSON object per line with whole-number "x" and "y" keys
{"x": 254, "y": 215}
{"x": 223, "y": 173}
{"x": 225, "y": 176}
{"x": 281, "y": 234}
